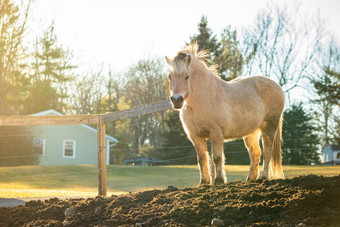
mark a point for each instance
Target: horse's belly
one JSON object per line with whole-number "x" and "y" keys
{"x": 243, "y": 123}
{"x": 235, "y": 123}
{"x": 239, "y": 131}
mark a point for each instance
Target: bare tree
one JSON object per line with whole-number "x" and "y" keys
{"x": 283, "y": 45}
{"x": 88, "y": 93}
{"x": 145, "y": 84}
{"x": 114, "y": 87}
{"x": 114, "y": 94}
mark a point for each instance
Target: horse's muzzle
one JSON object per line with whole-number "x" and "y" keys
{"x": 177, "y": 101}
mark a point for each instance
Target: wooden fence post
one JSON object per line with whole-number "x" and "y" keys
{"x": 101, "y": 150}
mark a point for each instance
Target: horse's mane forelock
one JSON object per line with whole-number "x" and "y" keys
{"x": 193, "y": 49}
{"x": 202, "y": 55}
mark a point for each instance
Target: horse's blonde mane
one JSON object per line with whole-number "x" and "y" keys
{"x": 202, "y": 56}
{"x": 193, "y": 49}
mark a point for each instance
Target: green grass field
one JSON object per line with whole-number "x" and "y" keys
{"x": 82, "y": 180}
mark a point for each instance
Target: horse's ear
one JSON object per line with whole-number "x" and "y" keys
{"x": 168, "y": 60}
{"x": 188, "y": 60}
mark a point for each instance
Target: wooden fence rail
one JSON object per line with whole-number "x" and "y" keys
{"x": 99, "y": 119}
{"x": 48, "y": 120}
{"x": 137, "y": 111}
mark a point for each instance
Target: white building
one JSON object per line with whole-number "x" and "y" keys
{"x": 330, "y": 155}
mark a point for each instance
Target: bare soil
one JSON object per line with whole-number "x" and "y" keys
{"x": 303, "y": 201}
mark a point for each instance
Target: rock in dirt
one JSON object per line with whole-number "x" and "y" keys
{"x": 98, "y": 210}
{"x": 221, "y": 209}
{"x": 217, "y": 222}
{"x": 165, "y": 221}
{"x": 69, "y": 212}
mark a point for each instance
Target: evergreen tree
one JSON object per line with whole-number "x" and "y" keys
{"x": 51, "y": 73}
{"x": 230, "y": 60}
{"x": 332, "y": 86}
{"x": 225, "y": 54}
{"x": 300, "y": 142}
{"x": 206, "y": 40}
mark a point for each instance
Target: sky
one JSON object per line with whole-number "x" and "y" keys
{"x": 119, "y": 33}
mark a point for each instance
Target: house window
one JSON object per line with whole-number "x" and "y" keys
{"x": 338, "y": 155}
{"x": 69, "y": 149}
{"x": 39, "y": 146}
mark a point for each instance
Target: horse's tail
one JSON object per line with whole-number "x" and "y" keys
{"x": 276, "y": 161}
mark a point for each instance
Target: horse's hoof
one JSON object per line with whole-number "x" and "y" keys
{"x": 204, "y": 182}
{"x": 251, "y": 179}
{"x": 264, "y": 178}
{"x": 219, "y": 180}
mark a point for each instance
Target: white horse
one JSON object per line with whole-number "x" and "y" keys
{"x": 211, "y": 108}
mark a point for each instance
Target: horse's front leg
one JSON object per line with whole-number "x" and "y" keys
{"x": 218, "y": 157}
{"x": 202, "y": 157}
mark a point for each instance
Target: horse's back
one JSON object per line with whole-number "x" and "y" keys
{"x": 266, "y": 89}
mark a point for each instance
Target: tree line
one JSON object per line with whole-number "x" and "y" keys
{"x": 297, "y": 56}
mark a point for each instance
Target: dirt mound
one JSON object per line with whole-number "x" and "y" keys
{"x": 306, "y": 200}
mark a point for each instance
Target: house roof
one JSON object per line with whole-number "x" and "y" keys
{"x": 54, "y": 112}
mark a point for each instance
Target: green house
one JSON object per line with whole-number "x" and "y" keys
{"x": 67, "y": 144}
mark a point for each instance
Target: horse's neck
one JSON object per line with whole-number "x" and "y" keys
{"x": 204, "y": 88}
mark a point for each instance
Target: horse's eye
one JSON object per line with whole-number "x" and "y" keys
{"x": 187, "y": 77}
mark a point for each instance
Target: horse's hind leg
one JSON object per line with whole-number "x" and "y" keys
{"x": 218, "y": 157}
{"x": 268, "y": 133}
{"x": 202, "y": 157}
{"x": 252, "y": 143}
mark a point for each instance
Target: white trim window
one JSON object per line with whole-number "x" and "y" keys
{"x": 69, "y": 148}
